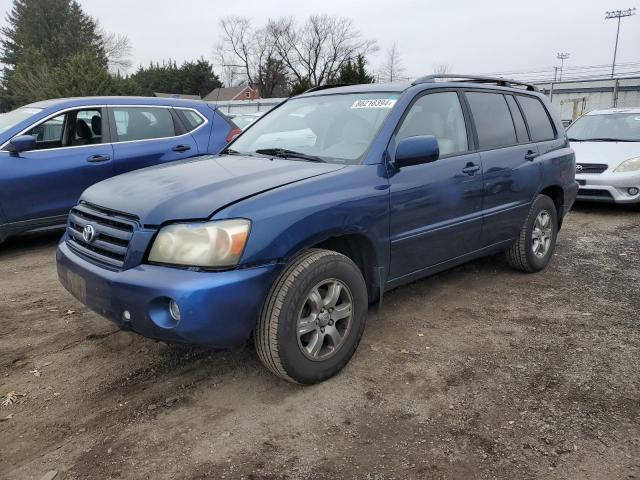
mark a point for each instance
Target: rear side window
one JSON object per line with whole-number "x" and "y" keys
{"x": 492, "y": 119}
{"x": 191, "y": 119}
{"x": 518, "y": 121}
{"x": 143, "y": 123}
{"x": 537, "y": 118}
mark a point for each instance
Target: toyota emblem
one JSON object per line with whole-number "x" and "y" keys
{"x": 88, "y": 233}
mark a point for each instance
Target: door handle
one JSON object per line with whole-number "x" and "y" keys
{"x": 530, "y": 155}
{"x": 181, "y": 148}
{"x": 98, "y": 158}
{"x": 471, "y": 168}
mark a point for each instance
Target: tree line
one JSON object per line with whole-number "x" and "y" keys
{"x": 52, "y": 48}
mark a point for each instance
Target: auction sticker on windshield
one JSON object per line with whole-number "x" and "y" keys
{"x": 375, "y": 103}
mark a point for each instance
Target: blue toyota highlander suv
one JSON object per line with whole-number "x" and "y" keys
{"x": 51, "y": 151}
{"x": 316, "y": 209}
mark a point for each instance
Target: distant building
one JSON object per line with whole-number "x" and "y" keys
{"x": 177, "y": 95}
{"x": 245, "y": 92}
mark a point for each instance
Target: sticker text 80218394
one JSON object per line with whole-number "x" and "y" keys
{"x": 374, "y": 103}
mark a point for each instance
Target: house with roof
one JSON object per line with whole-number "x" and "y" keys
{"x": 242, "y": 92}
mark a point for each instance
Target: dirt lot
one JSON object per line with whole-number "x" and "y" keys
{"x": 479, "y": 372}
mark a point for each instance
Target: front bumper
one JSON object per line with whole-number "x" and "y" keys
{"x": 608, "y": 187}
{"x": 218, "y": 309}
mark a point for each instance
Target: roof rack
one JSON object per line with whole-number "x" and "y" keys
{"x": 325, "y": 87}
{"x": 501, "y": 82}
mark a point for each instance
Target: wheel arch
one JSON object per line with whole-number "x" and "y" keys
{"x": 360, "y": 249}
{"x": 556, "y": 193}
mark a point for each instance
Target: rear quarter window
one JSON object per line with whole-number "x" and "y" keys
{"x": 535, "y": 113}
{"x": 190, "y": 119}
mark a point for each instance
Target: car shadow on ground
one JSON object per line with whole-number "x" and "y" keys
{"x": 606, "y": 208}
{"x": 30, "y": 242}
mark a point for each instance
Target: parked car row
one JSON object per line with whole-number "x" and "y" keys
{"x": 284, "y": 227}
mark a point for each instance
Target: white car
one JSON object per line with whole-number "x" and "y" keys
{"x": 607, "y": 147}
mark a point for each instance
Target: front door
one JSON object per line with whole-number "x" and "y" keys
{"x": 435, "y": 211}
{"x": 71, "y": 154}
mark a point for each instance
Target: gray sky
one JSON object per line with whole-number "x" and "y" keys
{"x": 478, "y": 36}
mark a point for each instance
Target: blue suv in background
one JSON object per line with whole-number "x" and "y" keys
{"x": 316, "y": 209}
{"x": 51, "y": 151}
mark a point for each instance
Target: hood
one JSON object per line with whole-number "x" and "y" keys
{"x": 610, "y": 153}
{"x": 198, "y": 187}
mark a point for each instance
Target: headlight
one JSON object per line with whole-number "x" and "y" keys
{"x": 210, "y": 244}
{"x": 630, "y": 165}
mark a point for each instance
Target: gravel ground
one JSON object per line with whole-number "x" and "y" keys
{"x": 478, "y": 372}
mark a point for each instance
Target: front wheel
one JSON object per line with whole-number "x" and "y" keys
{"x": 533, "y": 249}
{"x": 313, "y": 318}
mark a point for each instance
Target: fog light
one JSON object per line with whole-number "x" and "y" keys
{"x": 633, "y": 191}
{"x": 126, "y": 316}
{"x": 174, "y": 310}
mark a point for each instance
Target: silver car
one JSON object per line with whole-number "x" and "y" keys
{"x": 607, "y": 146}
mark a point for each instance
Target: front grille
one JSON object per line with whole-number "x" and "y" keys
{"x": 593, "y": 192}
{"x": 591, "y": 167}
{"x": 112, "y": 234}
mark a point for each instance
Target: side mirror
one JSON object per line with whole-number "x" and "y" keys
{"x": 417, "y": 150}
{"x": 21, "y": 143}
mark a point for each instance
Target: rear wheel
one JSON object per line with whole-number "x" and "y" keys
{"x": 534, "y": 248}
{"x": 313, "y": 318}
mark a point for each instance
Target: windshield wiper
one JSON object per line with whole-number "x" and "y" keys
{"x": 606, "y": 139}
{"x": 231, "y": 151}
{"x": 575, "y": 139}
{"x": 284, "y": 153}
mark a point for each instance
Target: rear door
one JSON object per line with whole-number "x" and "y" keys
{"x": 148, "y": 135}
{"x": 435, "y": 210}
{"x": 72, "y": 153}
{"x": 510, "y": 171}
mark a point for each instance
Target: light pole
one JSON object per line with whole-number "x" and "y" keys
{"x": 562, "y": 57}
{"x": 619, "y": 14}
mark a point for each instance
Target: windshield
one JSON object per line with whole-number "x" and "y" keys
{"x": 623, "y": 127}
{"x": 12, "y": 118}
{"x": 334, "y": 128}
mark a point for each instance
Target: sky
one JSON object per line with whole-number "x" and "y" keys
{"x": 482, "y": 36}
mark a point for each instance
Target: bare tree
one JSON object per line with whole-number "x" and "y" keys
{"x": 392, "y": 69}
{"x": 441, "y": 68}
{"x": 117, "y": 49}
{"x": 314, "y": 51}
{"x": 248, "y": 53}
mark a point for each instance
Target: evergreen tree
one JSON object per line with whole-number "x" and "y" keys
{"x": 40, "y": 38}
{"x": 354, "y": 72}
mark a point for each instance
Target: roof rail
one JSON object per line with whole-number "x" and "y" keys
{"x": 325, "y": 87}
{"x": 502, "y": 82}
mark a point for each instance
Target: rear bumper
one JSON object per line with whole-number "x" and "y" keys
{"x": 570, "y": 193}
{"x": 609, "y": 187}
{"x": 218, "y": 309}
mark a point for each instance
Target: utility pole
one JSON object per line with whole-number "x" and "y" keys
{"x": 562, "y": 57}
{"x": 618, "y": 14}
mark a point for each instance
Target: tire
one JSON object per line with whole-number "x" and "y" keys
{"x": 326, "y": 342}
{"x": 521, "y": 254}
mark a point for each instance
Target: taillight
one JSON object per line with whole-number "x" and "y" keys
{"x": 233, "y": 134}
